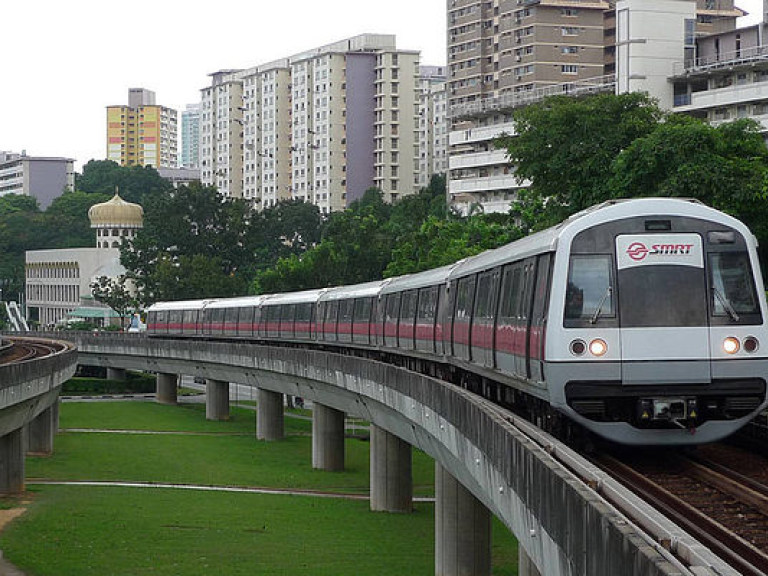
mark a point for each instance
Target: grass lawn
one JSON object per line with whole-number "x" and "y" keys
{"x": 84, "y": 531}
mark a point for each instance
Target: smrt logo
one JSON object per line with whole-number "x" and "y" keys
{"x": 638, "y": 251}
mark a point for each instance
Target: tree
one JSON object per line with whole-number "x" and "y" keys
{"x": 193, "y": 221}
{"x": 725, "y": 167}
{"x": 115, "y": 293}
{"x": 566, "y": 146}
{"x": 136, "y": 183}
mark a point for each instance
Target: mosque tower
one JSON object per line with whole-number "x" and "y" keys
{"x": 115, "y": 221}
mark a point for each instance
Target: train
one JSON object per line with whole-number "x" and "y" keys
{"x": 640, "y": 321}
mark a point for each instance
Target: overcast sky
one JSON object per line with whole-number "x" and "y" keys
{"x": 64, "y": 62}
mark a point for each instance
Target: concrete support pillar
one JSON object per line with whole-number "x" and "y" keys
{"x": 327, "y": 438}
{"x": 391, "y": 479}
{"x": 166, "y": 388}
{"x": 462, "y": 529}
{"x": 12, "y": 448}
{"x": 117, "y": 374}
{"x": 40, "y": 432}
{"x": 216, "y": 400}
{"x": 526, "y": 567}
{"x": 269, "y": 415}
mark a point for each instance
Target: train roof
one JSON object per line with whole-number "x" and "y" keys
{"x": 179, "y": 305}
{"x": 420, "y": 279}
{"x": 365, "y": 290}
{"x": 239, "y": 302}
{"x": 294, "y": 297}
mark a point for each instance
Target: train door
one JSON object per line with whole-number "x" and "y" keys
{"x": 392, "y": 311}
{"x": 482, "y": 333}
{"x": 444, "y": 320}
{"x": 462, "y": 316}
{"x": 537, "y": 331}
{"x": 522, "y": 320}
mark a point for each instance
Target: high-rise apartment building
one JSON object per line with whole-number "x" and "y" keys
{"x": 503, "y": 54}
{"x": 43, "y": 178}
{"x": 190, "y": 137}
{"x": 323, "y": 125}
{"x": 142, "y": 133}
{"x": 433, "y": 123}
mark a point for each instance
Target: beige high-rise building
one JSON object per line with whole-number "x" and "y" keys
{"x": 503, "y": 54}
{"x": 142, "y": 133}
{"x": 323, "y": 125}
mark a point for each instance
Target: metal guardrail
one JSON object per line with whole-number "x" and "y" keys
{"x": 508, "y": 101}
{"x": 745, "y": 56}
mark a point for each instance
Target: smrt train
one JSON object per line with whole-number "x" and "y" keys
{"x": 642, "y": 321}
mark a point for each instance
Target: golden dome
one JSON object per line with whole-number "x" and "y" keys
{"x": 116, "y": 213}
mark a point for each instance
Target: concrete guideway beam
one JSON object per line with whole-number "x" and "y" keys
{"x": 119, "y": 374}
{"x": 166, "y": 388}
{"x": 12, "y": 453}
{"x": 41, "y": 430}
{"x": 526, "y": 567}
{"x": 391, "y": 475}
{"x": 270, "y": 413}
{"x": 327, "y": 438}
{"x": 462, "y": 529}
{"x": 216, "y": 400}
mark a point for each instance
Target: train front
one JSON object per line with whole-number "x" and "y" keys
{"x": 657, "y": 326}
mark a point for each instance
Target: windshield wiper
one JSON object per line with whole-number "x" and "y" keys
{"x": 726, "y": 304}
{"x": 596, "y": 315}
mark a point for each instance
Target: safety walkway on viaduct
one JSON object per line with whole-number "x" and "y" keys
{"x": 487, "y": 461}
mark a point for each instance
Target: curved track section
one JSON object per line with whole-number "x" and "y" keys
{"x": 31, "y": 381}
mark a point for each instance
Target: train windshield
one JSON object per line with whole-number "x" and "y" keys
{"x": 733, "y": 291}
{"x": 589, "y": 295}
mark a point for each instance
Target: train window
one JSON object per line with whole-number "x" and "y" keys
{"x": 589, "y": 292}
{"x": 732, "y": 285}
{"x": 427, "y": 305}
{"x": 332, "y": 312}
{"x": 465, "y": 295}
{"x": 345, "y": 310}
{"x": 393, "y": 307}
{"x": 231, "y": 316}
{"x": 304, "y": 312}
{"x": 485, "y": 300}
{"x": 510, "y": 292}
{"x": 363, "y": 309}
{"x": 408, "y": 307}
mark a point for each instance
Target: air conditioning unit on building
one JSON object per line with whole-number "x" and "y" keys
{"x": 518, "y": 78}
{"x": 518, "y": 58}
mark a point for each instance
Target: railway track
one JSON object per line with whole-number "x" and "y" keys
{"x": 718, "y": 494}
{"x": 20, "y": 350}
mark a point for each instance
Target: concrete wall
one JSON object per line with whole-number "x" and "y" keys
{"x": 565, "y": 527}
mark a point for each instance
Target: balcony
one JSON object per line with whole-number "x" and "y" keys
{"x": 482, "y": 134}
{"x": 478, "y": 159}
{"x": 485, "y": 184}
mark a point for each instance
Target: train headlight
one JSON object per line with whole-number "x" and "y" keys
{"x": 578, "y": 347}
{"x": 731, "y": 345}
{"x": 598, "y": 347}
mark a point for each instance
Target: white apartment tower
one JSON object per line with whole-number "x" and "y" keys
{"x": 323, "y": 125}
{"x": 221, "y": 134}
{"x": 433, "y": 123}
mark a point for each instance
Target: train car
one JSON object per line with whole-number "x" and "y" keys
{"x": 290, "y": 316}
{"x": 642, "y": 320}
{"x": 345, "y": 314}
{"x": 409, "y": 315}
{"x": 181, "y": 318}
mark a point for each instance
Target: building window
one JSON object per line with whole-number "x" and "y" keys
{"x": 569, "y": 69}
